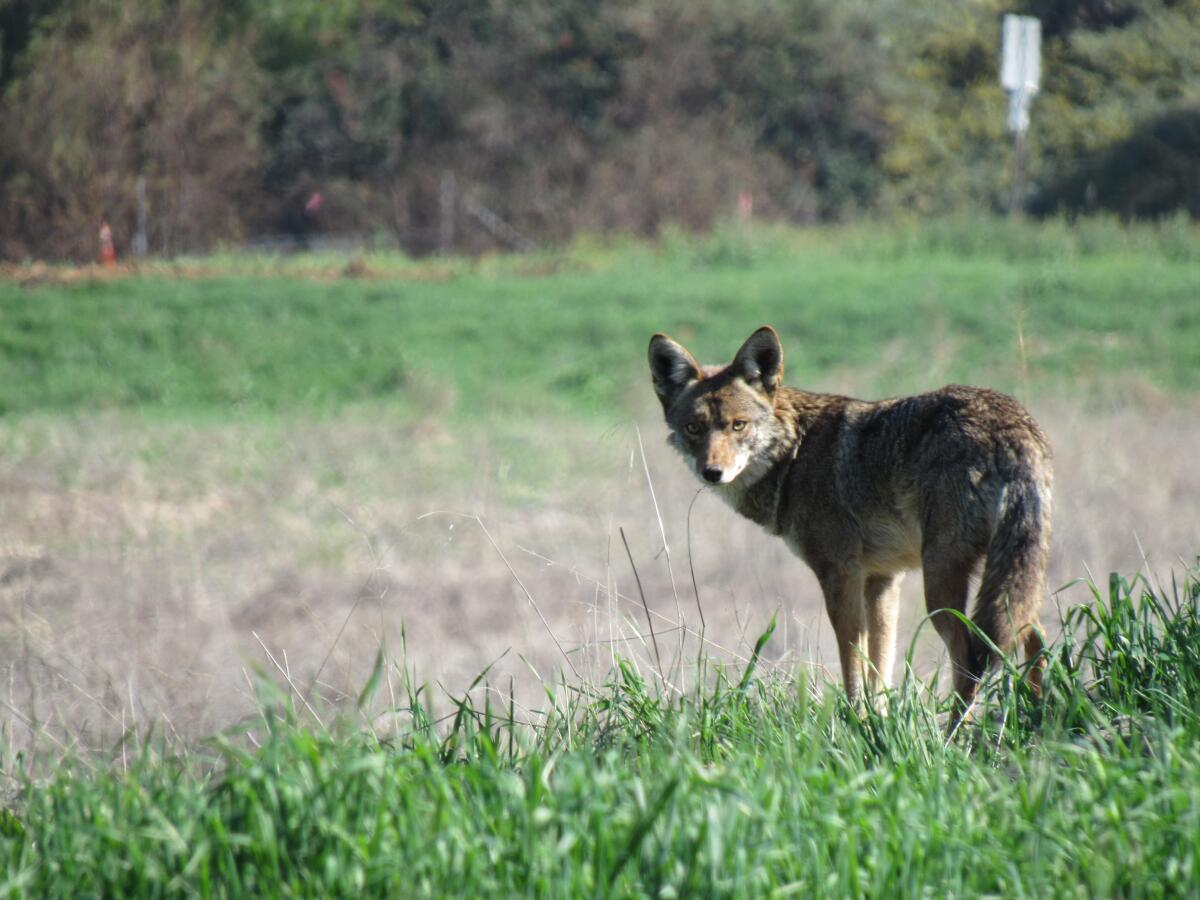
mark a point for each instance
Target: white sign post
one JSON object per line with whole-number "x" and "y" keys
{"x": 1020, "y": 75}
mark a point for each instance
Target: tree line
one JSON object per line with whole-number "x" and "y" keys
{"x": 468, "y": 124}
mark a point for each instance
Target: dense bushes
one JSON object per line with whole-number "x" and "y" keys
{"x": 556, "y": 115}
{"x": 465, "y": 124}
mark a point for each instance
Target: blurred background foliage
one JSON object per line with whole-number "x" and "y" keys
{"x": 471, "y": 124}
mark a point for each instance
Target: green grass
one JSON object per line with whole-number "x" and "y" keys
{"x": 746, "y": 786}
{"x": 743, "y": 785}
{"x": 871, "y": 310}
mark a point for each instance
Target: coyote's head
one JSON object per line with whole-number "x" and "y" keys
{"x": 722, "y": 418}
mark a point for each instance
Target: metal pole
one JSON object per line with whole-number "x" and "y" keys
{"x": 1014, "y": 201}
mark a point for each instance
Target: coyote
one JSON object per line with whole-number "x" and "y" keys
{"x": 862, "y": 491}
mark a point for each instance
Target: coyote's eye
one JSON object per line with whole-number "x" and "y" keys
{"x": 692, "y": 428}
{"x": 739, "y": 425}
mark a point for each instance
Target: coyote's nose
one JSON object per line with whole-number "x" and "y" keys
{"x": 712, "y": 474}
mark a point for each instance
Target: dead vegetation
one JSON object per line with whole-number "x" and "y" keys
{"x": 148, "y": 570}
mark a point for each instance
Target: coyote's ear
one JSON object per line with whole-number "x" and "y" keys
{"x": 672, "y": 368}
{"x": 760, "y": 361}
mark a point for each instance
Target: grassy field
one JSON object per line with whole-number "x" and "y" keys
{"x": 565, "y": 334}
{"x": 746, "y": 786}
{"x": 228, "y": 482}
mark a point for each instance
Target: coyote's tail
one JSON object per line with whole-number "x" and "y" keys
{"x": 1013, "y": 582}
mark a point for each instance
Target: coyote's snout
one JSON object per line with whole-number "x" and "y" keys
{"x": 954, "y": 481}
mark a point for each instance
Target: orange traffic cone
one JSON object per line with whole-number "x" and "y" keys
{"x": 108, "y": 253}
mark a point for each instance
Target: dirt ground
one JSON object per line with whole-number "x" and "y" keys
{"x": 151, "y": 572}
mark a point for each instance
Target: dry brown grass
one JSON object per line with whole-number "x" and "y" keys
{"x": 144, "y": 567}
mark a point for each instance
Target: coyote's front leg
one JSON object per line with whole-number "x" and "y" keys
{"x": 845, "y": 603}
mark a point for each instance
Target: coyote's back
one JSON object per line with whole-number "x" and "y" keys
{"x": 950, "y": 481}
